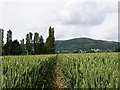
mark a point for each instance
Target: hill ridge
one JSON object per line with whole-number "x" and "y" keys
{"x": 85, "y": 44}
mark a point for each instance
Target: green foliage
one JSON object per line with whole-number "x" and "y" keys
{"x": 16, "y": 48}
{"x": 29, "y": 43}
{"x": 50, "y": 42}
{"x": 9, "y": 36}
{"x": 36, "y": 43}
{"x": 1, "y": 36}
{"x": 41, "y": 45}
{"x": 12, "y": 48}
{"x": 1, "y": 41}
{"x": 23, "y": 48}
{"x": 7, "y": 48}
{"x": 31, "y": 46}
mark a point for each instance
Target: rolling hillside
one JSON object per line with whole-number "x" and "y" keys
{"x": 84, "y": 44}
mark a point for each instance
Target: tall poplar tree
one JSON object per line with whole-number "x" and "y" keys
{"x": 50, "y": 42}
{"x": 1, "y": 40}
{"x": 29, "y": 43}
{"x": 36, "y": 43}
{"x": 7, "y": 46}
{"x": 2, "y": 36}
{"x": 23, "y": 48}
{"x": 9, "y": 36}
{"x": 41, "y": 45}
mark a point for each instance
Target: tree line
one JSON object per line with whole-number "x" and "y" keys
{"x": 33, "y": 44}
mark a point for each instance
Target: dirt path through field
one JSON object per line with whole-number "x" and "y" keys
{"x": 58, "y": 82}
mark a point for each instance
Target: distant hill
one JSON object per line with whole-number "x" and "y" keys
{"x": 84, "y": 44}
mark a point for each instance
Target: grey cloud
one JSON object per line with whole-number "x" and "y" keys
{"x": 70, "y": 19}
{"x": 77, "y": 19}
{"x": 86, "y": 14}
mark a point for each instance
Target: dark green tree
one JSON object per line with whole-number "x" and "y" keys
{"x": 9, "y": 41}
{"x": 50, "y": 42}
{"x": 2, "y": 36}
{"x": 7, "y": 46}
{"x": 1, "y": 40}
{"x": 5, "y": 49}
{"x": 9, "y": 36}
{"x": 29, "y": 43}
{"x": 41, "y": 45}
{"x": 16, "y": 48}
{"x": 36, "y": 43}
{"x": 23, "y": 48}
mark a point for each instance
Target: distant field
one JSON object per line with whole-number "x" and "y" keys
{"x": 85, "y": 70}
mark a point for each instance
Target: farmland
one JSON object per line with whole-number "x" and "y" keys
{"x": 85, "y": 70}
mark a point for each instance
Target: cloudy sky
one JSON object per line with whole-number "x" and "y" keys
{"x": 97, "y": 19}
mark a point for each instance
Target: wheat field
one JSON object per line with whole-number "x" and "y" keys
{"x": 84, "y": 70}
